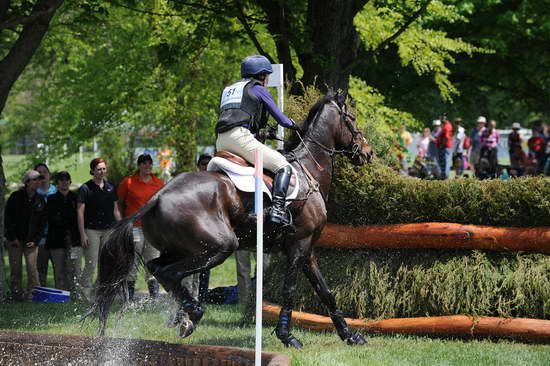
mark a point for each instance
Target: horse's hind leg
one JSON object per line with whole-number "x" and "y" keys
{"x": 313, "y": 273}
{"x": 170, "y": 273}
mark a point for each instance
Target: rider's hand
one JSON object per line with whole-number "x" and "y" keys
{"x": 294, "y": 125}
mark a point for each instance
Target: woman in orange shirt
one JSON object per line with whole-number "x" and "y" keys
{"x": 133, "y": 192}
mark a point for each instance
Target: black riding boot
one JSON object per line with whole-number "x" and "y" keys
{"x": 278, "y": 214}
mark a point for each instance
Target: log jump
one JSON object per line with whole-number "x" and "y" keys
{"x": 437, "y": 235}
{"x": 454, "y": 325}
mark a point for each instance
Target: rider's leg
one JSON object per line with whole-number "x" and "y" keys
{"x": 277, "y": 214}
{"x": 240, "y": 141}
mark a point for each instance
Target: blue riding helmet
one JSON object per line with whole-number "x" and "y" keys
{"x": 255, "y": 65}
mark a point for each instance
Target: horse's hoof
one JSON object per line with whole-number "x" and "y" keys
{"x": 356, "y": 339}
{"x": 291, "y": 341}
{"x": 175, "y": 320}
{"x": 186, "y": 328}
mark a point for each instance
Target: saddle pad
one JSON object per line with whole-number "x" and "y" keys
{"x": 243, "y": 177}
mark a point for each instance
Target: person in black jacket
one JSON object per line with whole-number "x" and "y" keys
{"x": 24, "y": 222}
{"x": 63, "y": 232}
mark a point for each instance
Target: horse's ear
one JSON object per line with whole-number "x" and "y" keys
{"x": 341, "y": 97}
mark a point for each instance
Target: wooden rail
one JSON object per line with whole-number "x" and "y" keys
{"x": 437, "y": 235}
{"x": 455, "y": 325}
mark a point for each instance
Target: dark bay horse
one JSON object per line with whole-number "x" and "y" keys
{"x": 199, "y": 219}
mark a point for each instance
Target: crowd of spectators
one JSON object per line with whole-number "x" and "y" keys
{"x": 47, "y": 221}
{"x": 448, "y": 146}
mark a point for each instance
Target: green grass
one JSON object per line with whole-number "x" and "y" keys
{"x": 225, "y": 326}
{"x": 222, "y": 325}
{"x": 16, "y": 165}
{"x": 224, "y": 275}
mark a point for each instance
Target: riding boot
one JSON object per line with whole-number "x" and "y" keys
{"x": 278, "y": 214}
{"x": 153, "y": 286}
{"x": 131, "y": 290}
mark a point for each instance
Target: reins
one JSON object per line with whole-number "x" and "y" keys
{"x": 352, "y": 148}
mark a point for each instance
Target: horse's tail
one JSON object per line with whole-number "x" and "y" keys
{"x": 115, "y": 262}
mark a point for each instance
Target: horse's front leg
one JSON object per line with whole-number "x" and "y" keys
{"x": 295, "y": 259}
{"x": 313, "y": 273}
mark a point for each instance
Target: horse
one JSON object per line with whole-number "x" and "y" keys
{"x": 199, "y": 219}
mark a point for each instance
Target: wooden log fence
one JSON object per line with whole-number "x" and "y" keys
{"x": 437, "y": 235}
{"x": 454, "y": 325}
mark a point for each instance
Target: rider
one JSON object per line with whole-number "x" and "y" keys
{"x": 244, "y": 109}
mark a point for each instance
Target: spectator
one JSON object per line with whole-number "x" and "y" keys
{"x": 459, "y": 153}
{"x": 134, "y": 192}
{"x": 62, "y": 231}
{"x": 489, "y": 149}
{"x": 444, "y": 144}
{"x": 433, "y": 153}
{"x": 475, "y": 139}
{"x": 537, "y": 147}
{"x": 24, "y": 221}
{"x": 514, "y": 145}
{"x": 424, "y": 143}
{"x": 405, "y": 139}
{"x": 45, "y": 190}
{"x": 97, "y": 210}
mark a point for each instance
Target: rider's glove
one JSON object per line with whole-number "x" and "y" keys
{"x": 294, "y": 125}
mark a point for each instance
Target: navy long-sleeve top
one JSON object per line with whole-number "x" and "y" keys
{"x": 265, "y": 96}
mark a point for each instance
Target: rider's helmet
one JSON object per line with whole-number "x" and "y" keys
{"x": 255, "y": 65}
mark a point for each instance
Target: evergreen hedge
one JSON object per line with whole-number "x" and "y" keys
{"x": 383, "y": 283}
{"x": 386, "y": 283}
{"x": 378, "y": 195}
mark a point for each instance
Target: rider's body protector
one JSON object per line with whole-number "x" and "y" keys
{"x": 241, "y": 107}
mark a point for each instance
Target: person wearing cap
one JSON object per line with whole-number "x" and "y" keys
{"x": 244, "y": 109}
{"x": 133, "y": 192}
{"x": 514, "y": 145}
{"x": 46, "y": 189}
{"x": 97, "y": 212}
{"x": 63, "y": 233}
{"x": 475, "y": 139}
{"x": 433, "y": 152}
{"x": 24, "y": 221}
{"x": 444, "y": 144}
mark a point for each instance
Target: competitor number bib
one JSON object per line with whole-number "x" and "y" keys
{"x": 232, "y": 95}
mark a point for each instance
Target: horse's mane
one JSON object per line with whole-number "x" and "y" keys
{"x": 293, "y": 140}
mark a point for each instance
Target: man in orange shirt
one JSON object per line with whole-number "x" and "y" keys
{"x": 133, "y": 192}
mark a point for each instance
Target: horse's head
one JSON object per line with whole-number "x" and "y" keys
{"x": 350, "y": 139}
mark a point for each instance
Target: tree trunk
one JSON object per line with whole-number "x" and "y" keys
{"x": 2, "y": 192}
{"x": 334, "y": 43}
{"x": 326, "y": 45}
{"x": 26, "y": 45}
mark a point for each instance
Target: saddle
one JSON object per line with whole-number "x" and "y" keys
{"x": 241, "y": 173}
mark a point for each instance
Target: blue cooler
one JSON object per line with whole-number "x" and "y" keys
{"x": 47, "y": 294}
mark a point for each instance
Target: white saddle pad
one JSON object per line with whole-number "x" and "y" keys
{"x": 243, "y": 177}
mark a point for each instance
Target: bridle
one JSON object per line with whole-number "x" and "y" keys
{"x": 353, "y": 147}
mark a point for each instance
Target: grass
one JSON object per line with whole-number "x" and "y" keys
{"x": 224, "y": 325}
